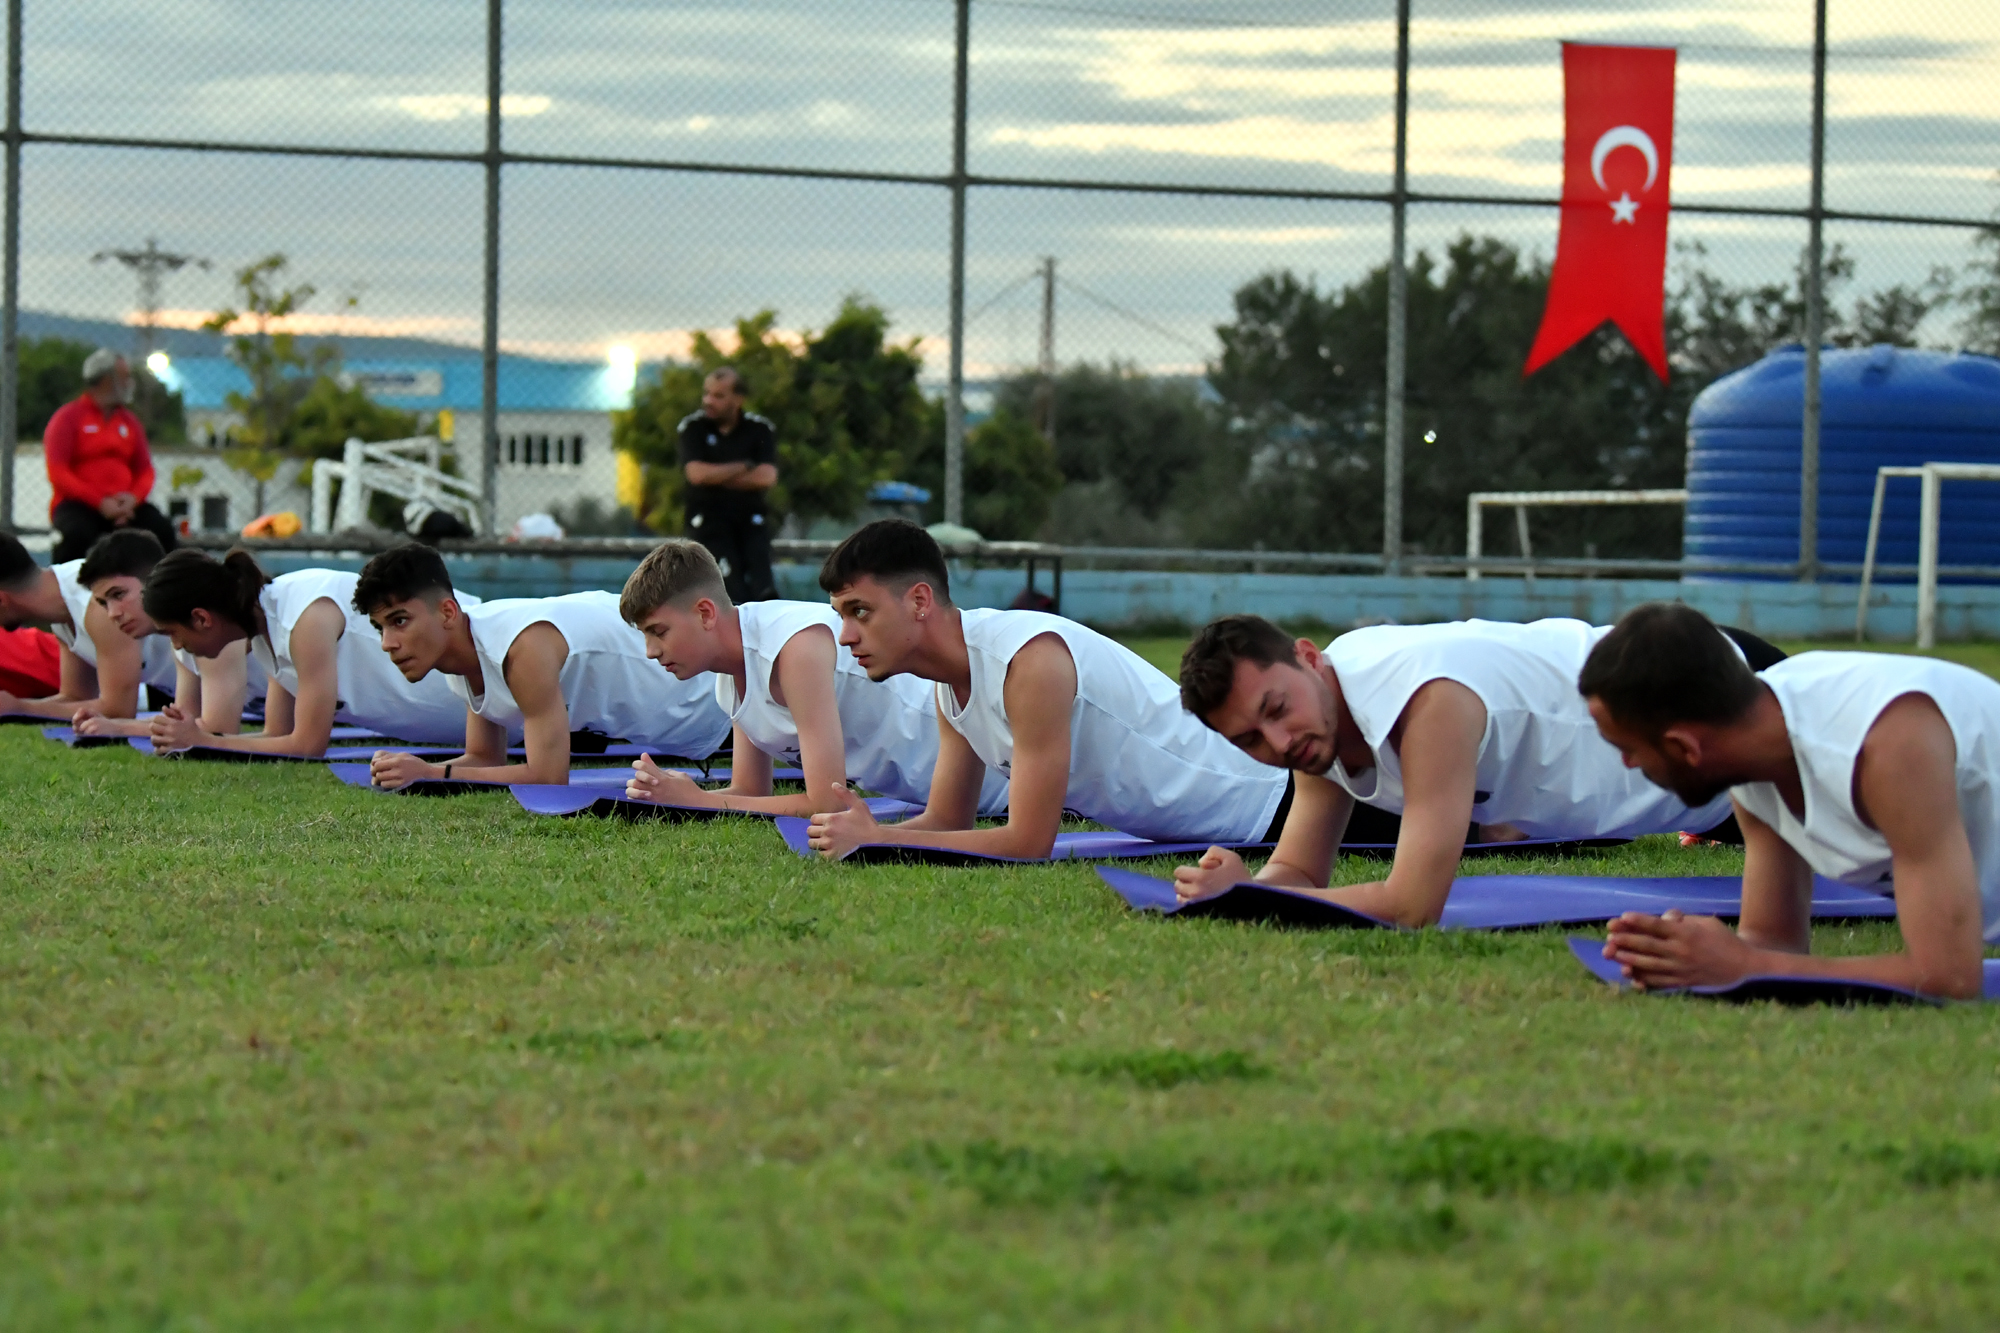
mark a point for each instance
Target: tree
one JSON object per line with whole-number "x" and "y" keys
{"x": 844, "y": 402}
{"x": 1117, "y": 425}
{"x": 1300, "y": 379}
{"x": 1981, "y": 294}
{"x": 296, "y": 405}
{"x": 1011, "y": 474}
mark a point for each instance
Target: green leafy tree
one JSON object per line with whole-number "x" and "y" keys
{"x": 1011, "y": 474}
{"x": 1117, "y": 425}
{"x": 1980, "y": 294}
{"x": 844, "y": 401}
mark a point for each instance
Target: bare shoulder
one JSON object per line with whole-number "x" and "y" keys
{"x": 1439, "y": 703}
{"x": 1043, "y": 662}
{"x": 811, "y": 646}
{"x": 541, "y": 646}
{"x": 1906, "y": 769}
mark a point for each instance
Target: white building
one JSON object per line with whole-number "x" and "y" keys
{"x": 554, "y": 423}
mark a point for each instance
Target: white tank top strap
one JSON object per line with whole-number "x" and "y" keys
{"x": 609, "y": 685}
{"x": 1831, "y": 701}
{"x": 156, "y": 659}
{"x": 1543, "y": 766}
{"x": 1139, "y": 762}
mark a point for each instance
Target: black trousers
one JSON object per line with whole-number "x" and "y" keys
{"x": 741, "y": 545}
{"x": 79, "y": 525}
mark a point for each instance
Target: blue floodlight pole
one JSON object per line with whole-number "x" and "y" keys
{"x": 489, "y": 348}
{"x": 10, "y": 283}
{"x": 1815, "y": 331}
{"x": 1399, "y": 312}
{"x": 954, "y": 401}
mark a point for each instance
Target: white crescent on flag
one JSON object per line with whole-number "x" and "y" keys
{"x": 1625, "y": 136}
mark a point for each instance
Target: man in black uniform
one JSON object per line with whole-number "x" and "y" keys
{"x": 730, "y": 458}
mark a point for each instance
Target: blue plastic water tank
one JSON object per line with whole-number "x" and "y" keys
{"x": 1880, "y": 406}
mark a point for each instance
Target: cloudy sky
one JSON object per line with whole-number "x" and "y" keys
{"x": 1269, "y": 93}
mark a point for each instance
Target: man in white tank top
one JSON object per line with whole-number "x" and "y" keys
{"x": 1077, "y": 721}
{"x": 324, "y": 662}
{"x": 1860, "y": 766}
{"x": 542, "y": 668}
{"x": 103, "y": 670}
{"x": 791, "y": 692}
{"x": 1446, "y": 725}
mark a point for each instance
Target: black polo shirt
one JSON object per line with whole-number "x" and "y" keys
{"x": 754, "y": 441}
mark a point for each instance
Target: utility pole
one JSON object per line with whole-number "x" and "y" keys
{"x": 151, "y": 264}
{"x": 954, "y": 401}
{"x": 10, "y": 263}
{"x": 1045, "y": 406}
{"x": 1815, "y": 330}
{"x": 489, "y": 318}
{"x": 1399, "y": 312}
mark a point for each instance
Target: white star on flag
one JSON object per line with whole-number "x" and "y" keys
{"x": 1624, "y": 209}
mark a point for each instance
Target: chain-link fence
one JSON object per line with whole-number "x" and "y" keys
{"x": 512, "y": 216}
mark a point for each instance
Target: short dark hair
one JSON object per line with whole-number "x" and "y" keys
{"x": 129, "y": 551}
{"x": 890, "y": 551}
{"x": 737, "y": 379}
{"x": 1665, "y": 663}
{"x": 400, "y": 574}
{"x": 17, "y": 566}
{"x": 187, "y": 579}
{"x": 1208, "y": 667}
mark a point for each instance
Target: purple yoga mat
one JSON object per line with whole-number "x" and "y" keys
{"x": 1498, "y": 902}
{"x": 597, "y": 781}
{"x": 68, "y": 736}
{"x": 537, "y": 799}
{"x": 1110, "y": 846}
{"x": 1778, "y": 990}
{"x": 1083, "y": 846}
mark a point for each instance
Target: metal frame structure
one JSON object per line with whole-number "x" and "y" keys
{"x": 409, "y": 469}
{"x": 1522, "y": 501}
{"x": 494, "y": 158}
{"x": 1931, "y": 478}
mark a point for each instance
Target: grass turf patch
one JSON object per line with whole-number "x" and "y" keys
{"x": 1166, "y": 1069}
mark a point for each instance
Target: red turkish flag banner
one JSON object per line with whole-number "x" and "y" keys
{"x": 1618, "y": 154}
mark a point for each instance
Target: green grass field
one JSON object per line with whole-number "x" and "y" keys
{"x": 279, "y": 1054}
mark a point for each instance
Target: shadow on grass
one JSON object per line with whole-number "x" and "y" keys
{"x": 1305, "y": 1233}
{"x": 1001, "y": 1175}
{"x": 1940, "y": 1165}
{"x": 1505, "y": 1162}
{"x": 1166, "y": 1069}
{"x": 587, "y": 1044}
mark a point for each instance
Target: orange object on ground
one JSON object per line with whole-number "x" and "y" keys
{"x": 283, "y": 524}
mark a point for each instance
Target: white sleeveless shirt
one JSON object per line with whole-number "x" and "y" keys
{"x": 371, "y": 692}
{"x": 888, "y": 728}
{"x": 1138, "y": 761}
{"x": 256, "y": 684}
{"x": 1542, "y": 765}
{"x": 1830, "y": 700}
{"x": 156, "y": 653}
{"x": 608, "y": 683}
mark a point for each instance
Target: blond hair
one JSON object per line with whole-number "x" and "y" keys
{"x": 676, "y": 570}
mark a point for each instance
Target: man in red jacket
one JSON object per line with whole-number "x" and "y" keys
{"x": 99, "y": 466}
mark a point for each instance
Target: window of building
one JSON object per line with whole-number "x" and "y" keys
{"x": 541, "y": 450}
{"x": 214, "y": 513}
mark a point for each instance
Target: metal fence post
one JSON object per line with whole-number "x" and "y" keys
{"x": 489, "y": 347}
{"x": 954, "y": 402}
{"x": 10, "y": 284}
{"x": 1815, "y": 331}
{"x": 1399, "y": 313}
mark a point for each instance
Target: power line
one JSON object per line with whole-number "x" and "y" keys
{"x": 1002, "y": 294}
{"x": 1132, "y": 316}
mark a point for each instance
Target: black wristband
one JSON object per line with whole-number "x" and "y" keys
{"x": 447, "y": 773}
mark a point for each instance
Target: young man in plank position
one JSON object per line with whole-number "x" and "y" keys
{"x": 791, "y": 692}
{"x": 1442, "y": 724}
{"x": 214, "y": 689}
{"x": 1855, "y": 765}
{"x": 1076, "y": 721}
{"x": 323, "y": 661}
{"x": 536, "y": 667}
{"x": 103, "y": 670}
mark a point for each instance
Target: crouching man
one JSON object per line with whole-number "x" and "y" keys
{"x": 1855, "y": 765}
{"x": 1446, "y": 725}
